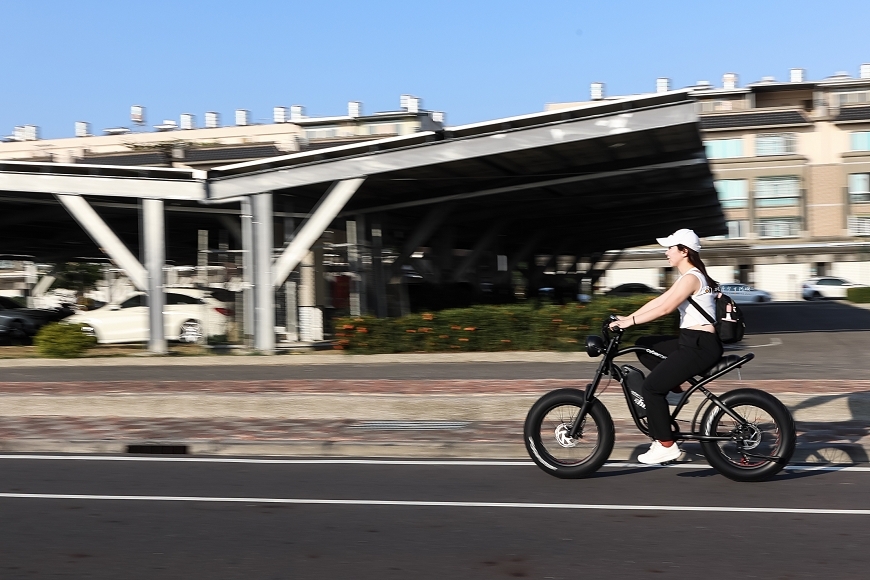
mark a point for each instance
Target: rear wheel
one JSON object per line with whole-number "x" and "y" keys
{"x": 760, "y": 446}
{"x": 191, "y": 332}
{"x": 553, "y": 450}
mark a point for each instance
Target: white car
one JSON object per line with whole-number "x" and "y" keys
{"x": 190, "y": 315}
{"x": 826, "y": 287}
{"x": 745, "y": 294}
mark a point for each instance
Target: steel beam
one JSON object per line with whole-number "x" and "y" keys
{"x": 264, "y": 292}
{"x": 329, "y": 206}
{"x": 155, "y": 252}
{"x": 105, "y": 238}
{"x": 85, "y": 180}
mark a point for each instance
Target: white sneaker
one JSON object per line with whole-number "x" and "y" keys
{"x": 658, "y": 453}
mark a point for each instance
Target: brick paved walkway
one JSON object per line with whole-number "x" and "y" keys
{"x": 853, "y": 435}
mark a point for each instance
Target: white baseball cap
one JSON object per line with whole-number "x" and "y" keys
{"x": 685, "y": 237}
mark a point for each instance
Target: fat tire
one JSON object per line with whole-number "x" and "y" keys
{"x": 781, "y": 417}
{"x": 537, "y": 448}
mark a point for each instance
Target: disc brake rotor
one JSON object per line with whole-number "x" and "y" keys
{"x": 562, "y": 437}
{"x": 748, "y": 435}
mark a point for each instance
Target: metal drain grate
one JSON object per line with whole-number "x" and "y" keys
{"x": 410, "y": 425}
{"x": 158, "y": 449}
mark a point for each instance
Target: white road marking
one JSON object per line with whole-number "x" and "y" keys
{"x": 350, "y": 461}
{"x": 461, "y": 504}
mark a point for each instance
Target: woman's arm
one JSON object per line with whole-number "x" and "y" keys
{"x": 661, "y": 305}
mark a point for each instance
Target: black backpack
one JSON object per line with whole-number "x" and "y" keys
{"x": 730, "y": 324}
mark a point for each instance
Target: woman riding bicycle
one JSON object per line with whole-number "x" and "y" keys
{"x": 695, "y": 350}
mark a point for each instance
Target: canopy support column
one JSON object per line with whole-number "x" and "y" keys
{"x": 155, "y": 257}
{"x": 326, "y": 210}
{"x": 264, "y": 292}
{"x": 105, "y": 238}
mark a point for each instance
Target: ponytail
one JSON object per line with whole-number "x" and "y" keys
{"x": 695, "y": 260}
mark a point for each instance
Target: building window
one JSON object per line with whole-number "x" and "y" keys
{"x": 859, "y": 187}
{"x": 859, "y": 225}
{"x": 851, "y": 98}
{"x": 775, "y": 144}
{"x": 737, "y": 229}
{"x": 733, "y": 193}
{"x": 321, "y": 133}
{"x": 861, "y": 141}
{"x": 777, "y": 191}
{"x": 778, "y": 227}
{"x": 724, "y": 148}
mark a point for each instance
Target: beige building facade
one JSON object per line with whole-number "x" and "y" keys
{"x": 189, "y": 145}
{"x": 791, "y": 164}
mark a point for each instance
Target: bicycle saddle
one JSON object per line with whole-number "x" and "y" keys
{"x": 724, "y": 362}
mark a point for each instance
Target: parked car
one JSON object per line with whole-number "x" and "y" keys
{"x": 824, "y": 287}
{"x": 743, "y": 293}
{"x": 19, "y": 323}
{"x": 190, "y": 315}
{"x": 631, "y": 289}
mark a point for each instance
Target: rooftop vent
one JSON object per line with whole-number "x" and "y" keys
{"x": 796, "y": 75}
{"x": 137, "y": 114}
{"x": 116, "y": 131}
{"x": 865, "y": 71}
{"x": 438, "y": 117}
{"x": 83, "y": 129}
{"x": 188, "y": 121}
{"x": 279, "y": 115}
{"x": 410, "y": 103}
{"x": 297, "y": 112}
{"x": 703, "y": 85}
{"x": 242, "y": 116}
{"x": 354, "y": 109}
{"x": 729, "y": 81}
{"x": 212, "y": 120}
{"x": 26, "y": 133}
{"x": 596, "y": 91}
{"x": 663, "y": 85}
{"x": 768, "y": 79}
{"x": 167, "y": 125}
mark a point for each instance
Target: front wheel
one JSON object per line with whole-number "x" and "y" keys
{"x": 760, "y": 446}
{"x": 553, "y": 450}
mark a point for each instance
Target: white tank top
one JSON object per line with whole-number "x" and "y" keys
{"x": 704, "y": 297}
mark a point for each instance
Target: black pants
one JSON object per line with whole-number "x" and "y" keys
{"x": 692, "y": 353}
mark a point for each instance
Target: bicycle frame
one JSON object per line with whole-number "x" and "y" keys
{"x": 608, "y": 367}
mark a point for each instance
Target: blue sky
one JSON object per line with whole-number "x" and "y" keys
{"x": 89, "y": 60}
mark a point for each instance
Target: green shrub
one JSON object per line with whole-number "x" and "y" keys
{"x": 62, "y": 340}
{"x": 860, "y": 295}
{"x": 493, "y": 328}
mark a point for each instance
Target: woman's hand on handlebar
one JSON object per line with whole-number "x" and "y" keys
{"x": 620, "y": 322}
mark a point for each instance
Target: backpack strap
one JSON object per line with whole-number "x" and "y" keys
{"x": 702, "y": 311}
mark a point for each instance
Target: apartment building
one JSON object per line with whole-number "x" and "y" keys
{"x": 791, "y": 163}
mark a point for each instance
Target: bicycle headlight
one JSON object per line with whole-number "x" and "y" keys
{"x": 594, "y": 346}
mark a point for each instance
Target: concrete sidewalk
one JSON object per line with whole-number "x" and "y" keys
{"x": 369, "y": 418}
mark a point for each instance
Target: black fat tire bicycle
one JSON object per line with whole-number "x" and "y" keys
{"x": 745, "y": 434}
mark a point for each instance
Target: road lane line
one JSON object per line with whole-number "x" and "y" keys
{"x": 460, "y": 504}
{"x": 410, "y": 462}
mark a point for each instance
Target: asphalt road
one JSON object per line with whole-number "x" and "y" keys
{"x": 185, "y": 519}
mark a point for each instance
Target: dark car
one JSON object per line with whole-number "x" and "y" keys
{"x": 18, "y": 323}
{"x": 631, "y": 289}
